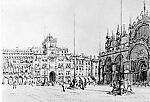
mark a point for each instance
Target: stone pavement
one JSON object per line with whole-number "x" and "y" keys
{"x": 55, "y": 94}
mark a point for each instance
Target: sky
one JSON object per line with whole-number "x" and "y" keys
{"x": 24, "y": 23}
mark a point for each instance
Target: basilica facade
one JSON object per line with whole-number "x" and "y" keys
{"x": 127, "y": 52}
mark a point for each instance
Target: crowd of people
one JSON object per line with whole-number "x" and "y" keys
{"x": 125, "y": 86}
{"x": 82, "y": 84}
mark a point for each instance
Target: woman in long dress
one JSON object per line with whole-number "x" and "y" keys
{"x": 148, "y": 77}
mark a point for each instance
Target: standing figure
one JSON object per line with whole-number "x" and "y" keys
{"x": 63, "y": 86}
{"x": 148, "y": 77}
{"x": 14, "y": 84}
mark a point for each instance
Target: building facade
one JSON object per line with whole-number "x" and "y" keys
{"x": 40, "y": 71}
{"x": 127, "y": 52}
{"x": 61, "y": 63}
{"x": 49, "y": 64}
{"x": 17, "y": 65}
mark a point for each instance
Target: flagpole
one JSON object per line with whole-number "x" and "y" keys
{"x": 74, "y": 46}
{"x": 99, "y": 43}
{"x": 99, "y": 58}
{"x": 121, "y": 18}
{"x": 120, "y": 50}
{"x": 44, "y": 30}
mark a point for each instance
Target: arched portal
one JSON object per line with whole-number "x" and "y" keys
{"x": 138, "y": 57}
{"x": 142, "y": 70}
{"x": 52, "y": 76}
{"x": 20, "y": 80}
{"x": 10, "y": 80}
{"x": 16, "y": 79}
{"x": 119, "y": 69}
{"x": 107, "y": 71}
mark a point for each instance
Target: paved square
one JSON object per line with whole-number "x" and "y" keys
{"x": 55, "y": 94}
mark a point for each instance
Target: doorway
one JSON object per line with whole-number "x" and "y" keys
{"x": 52, "y": 76}
{"x": 142, "y": 73}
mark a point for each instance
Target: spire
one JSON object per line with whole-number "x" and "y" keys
{"x": 113, "y": 36}
{"x": 107, "y": 36}
{"x": 112, "y": 33}
{"x": 144, "y": 13}
{"x": 117, "y": 33}
{"x": 144, "y": 7}
{"x": 117, "y": 30}
{"x": 49, "y": 37}
{"x": 124, "y": 30}
{"x": 130, "y": 24}
{"x": 107, "y": 32}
